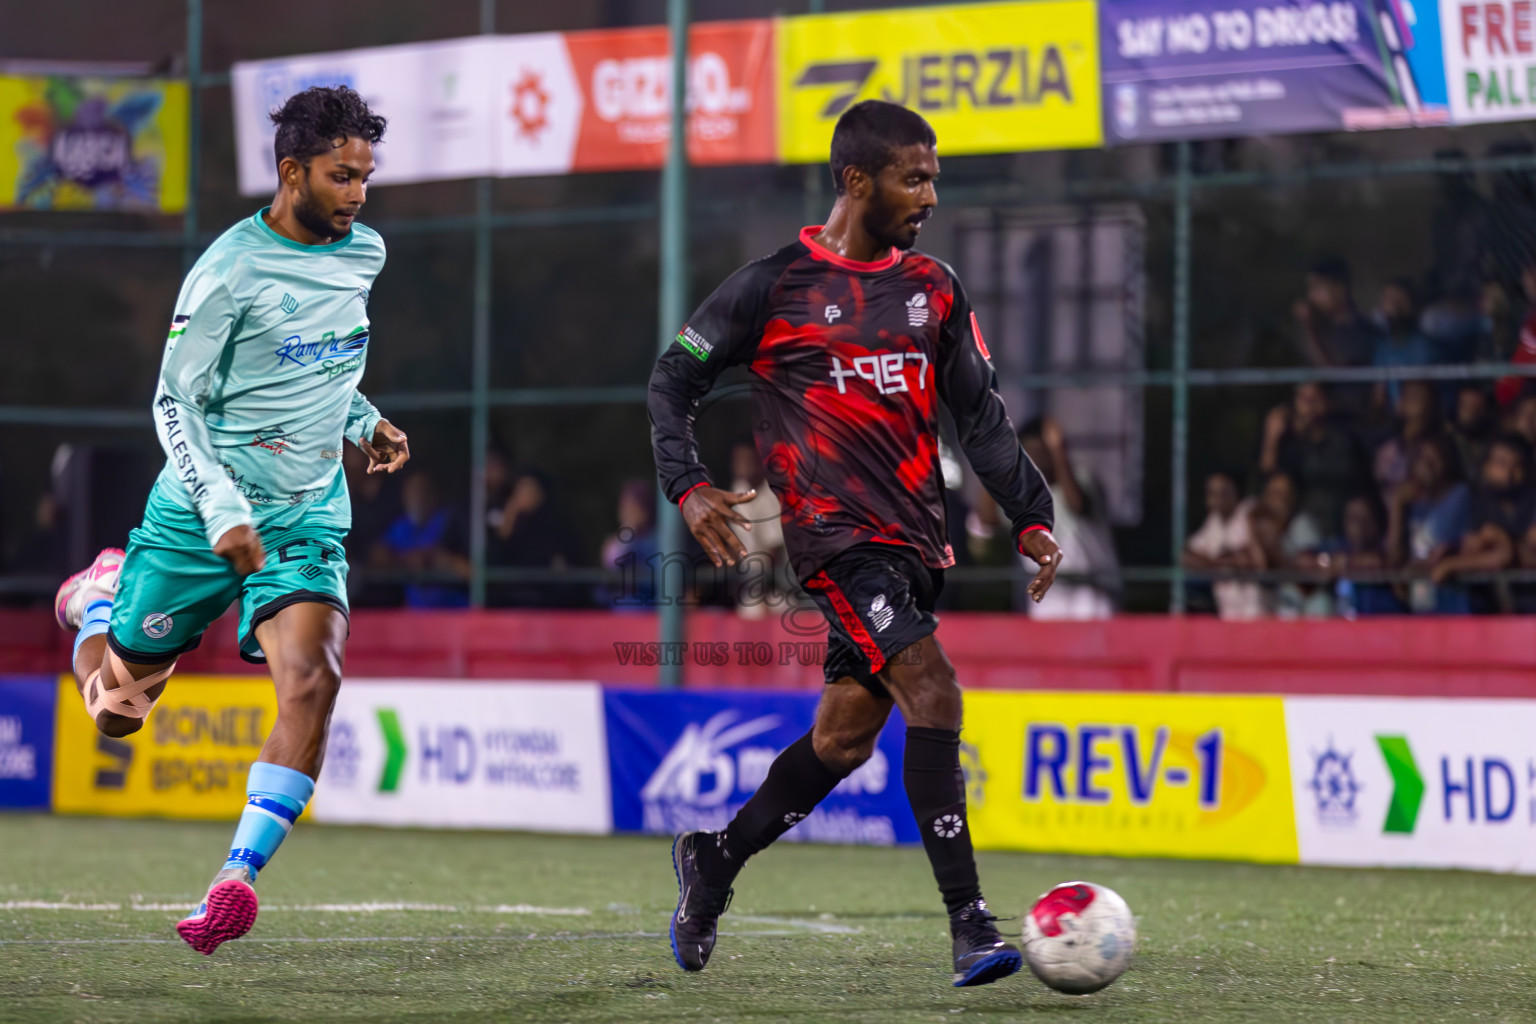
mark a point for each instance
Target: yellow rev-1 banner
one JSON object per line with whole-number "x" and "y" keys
{"x": 189, "y": 761}
{"x": 990, "y": 78}
{"x": 1155, "y": 775}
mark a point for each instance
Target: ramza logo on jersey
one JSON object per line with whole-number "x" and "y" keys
{"x": 1152, "y": 775}
{"x": 298, "y": 352}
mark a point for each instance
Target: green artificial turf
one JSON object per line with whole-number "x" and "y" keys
{"x": 508, "y": 927}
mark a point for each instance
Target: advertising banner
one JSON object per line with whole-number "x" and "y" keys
{"x": 1414, "y": 783}
{"x": 1490, "y": 57}
{"x": 189, "y": 761}
{"x": 683, "y": 761}
{"x": 467, "y": 755}
{"x": 69, "y": 143}
{"x": 1154, "y": 775}
{"x": 26, "y": 740}
{"x": 437, "y": 97}
{"x": 546, "y": 103}
{"x": 1192, "y": 69}
{"x": 990, "y": 78}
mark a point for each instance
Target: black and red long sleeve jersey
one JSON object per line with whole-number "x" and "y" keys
{"x": 849, "y": 362}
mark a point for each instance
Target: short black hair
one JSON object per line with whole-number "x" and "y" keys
{"x": 1332, "y": 268}
{"x": 868, "y": 133}
{"x": 310, "y": 122}
{"x": 1515, "y": 443}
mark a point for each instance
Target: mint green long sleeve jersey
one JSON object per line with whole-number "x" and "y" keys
{"x": 258, "y": 386}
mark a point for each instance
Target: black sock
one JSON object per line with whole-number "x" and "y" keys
{"x": 936, "y": 789}
{"x": 797, "y": 781}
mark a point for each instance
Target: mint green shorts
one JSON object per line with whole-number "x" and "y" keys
{"x": 172, "y": 585}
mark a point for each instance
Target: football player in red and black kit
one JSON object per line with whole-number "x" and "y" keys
{"x": 853, "y": 339}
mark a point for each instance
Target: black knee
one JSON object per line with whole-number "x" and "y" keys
{"x": 844, "y": 750}
{"x": 935, "y": 699}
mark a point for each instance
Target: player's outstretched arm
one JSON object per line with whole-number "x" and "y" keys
{"x": 722, "y": 332}
{"x": 206, "y": 314}
{"x": 968, "y": 387}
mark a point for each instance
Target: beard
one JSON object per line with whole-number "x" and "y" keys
{"x": 306, "y": 210}
{"x": 881, "y": 222}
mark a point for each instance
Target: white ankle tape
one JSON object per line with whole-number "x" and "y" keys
{"x": 128, "y": 699}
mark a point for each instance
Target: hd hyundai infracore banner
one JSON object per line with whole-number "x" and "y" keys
{"x": 1350, "y": 781}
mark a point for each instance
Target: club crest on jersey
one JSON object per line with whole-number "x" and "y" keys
{"x": 917, "y": 310}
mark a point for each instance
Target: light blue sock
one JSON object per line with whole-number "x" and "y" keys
{"x": 98, "y": 615}
{"x": 277, "y": 796}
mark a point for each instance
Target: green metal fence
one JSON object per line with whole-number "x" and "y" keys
{"x": 1171, "y": 179}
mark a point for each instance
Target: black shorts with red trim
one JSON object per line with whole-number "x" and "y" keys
{"x": 878, "y": 600}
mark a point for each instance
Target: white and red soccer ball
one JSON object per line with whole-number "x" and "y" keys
{"x": 1079, "y": 937}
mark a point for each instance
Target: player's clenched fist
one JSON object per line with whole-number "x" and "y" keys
{"x": 241, "y": 547}
{"x": 389, "y": 450}
{"x": 709, "y": 515}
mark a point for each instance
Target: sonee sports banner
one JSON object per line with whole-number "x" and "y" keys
{"x": 189, "y": 761}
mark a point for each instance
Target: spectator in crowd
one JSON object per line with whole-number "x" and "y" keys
{"x": 1399, "y": 341}
{"x": 375, "y": 507}
{"x": 1509, "y": 389}
{"x": 1521, "y": 418}
{"x": 1429, "y": 515}
{"x": 1503, "y": 507}
{"x": 1323, "y": 460}
{"x": 767, "y": 582}
{"x": 428, "y": 537}
{"x": 1225, "y": 542}
{"x": 630, "y": 549}
{"x": 1288, "y": 537}
{"x": 1418, "y": 415}
{"x": 1472, "y": 427}
{"x": 1363, "y": 551}
{"x": 1082, "y": 528}
{"x": 526, "y": 531}
{"x": 1334, "y": 334}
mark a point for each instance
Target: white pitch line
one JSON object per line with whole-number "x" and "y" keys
{"x": 314, "y": 941}
{"x": 45, "y": 905}
{"x": 510, "y": 909}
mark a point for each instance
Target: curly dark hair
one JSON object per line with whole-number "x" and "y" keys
{"x": 311, "y": 121}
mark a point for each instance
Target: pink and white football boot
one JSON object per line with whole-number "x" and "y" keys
{"x": 227, "y": 912}
{"x": 99, "y": 580}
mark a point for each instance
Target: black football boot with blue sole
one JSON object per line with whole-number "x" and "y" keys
{"x": 981, "y": 955}
{"x": 700, "y": 902}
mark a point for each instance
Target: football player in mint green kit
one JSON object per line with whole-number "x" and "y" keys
{"x": 257, "y": 394}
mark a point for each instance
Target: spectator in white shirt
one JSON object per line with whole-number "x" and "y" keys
{"x": 1226, "y": 541}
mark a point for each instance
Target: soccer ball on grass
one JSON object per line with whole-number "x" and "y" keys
{"x": 1079, "y": 937}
